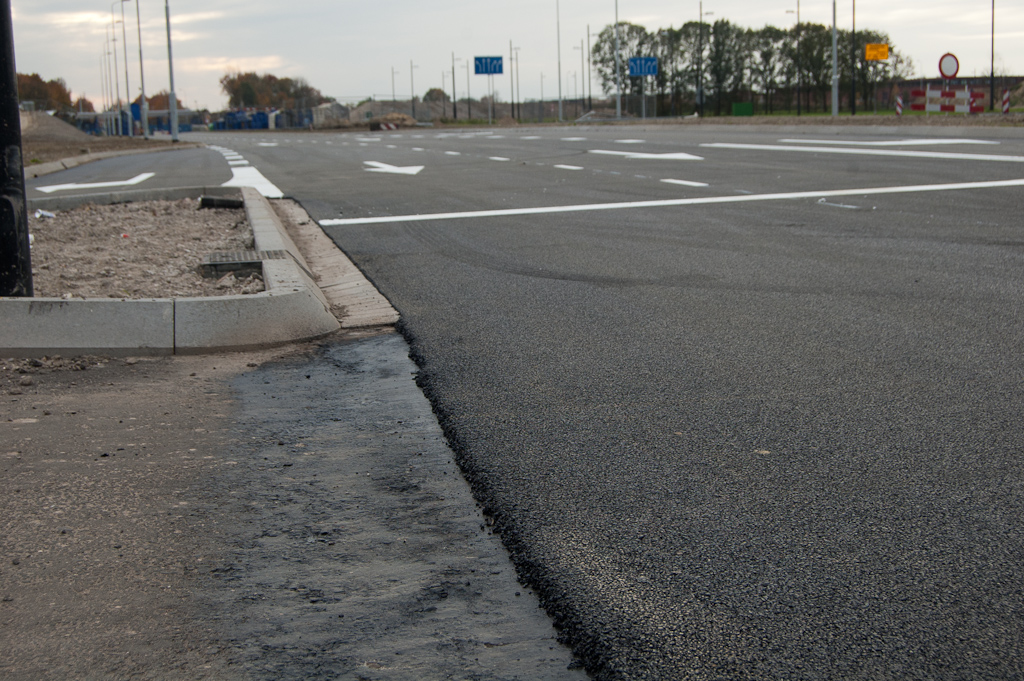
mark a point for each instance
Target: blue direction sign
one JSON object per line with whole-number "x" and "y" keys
{"x": 643, "y": 66}
{"x": 487, "y": 66}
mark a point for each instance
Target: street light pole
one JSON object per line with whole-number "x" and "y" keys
{"x": 455, "y": 94}
{"x": 853, "y": 63}
{"x": 173, "y": 98}
{"x": 835, "y": 63}
{"x": 618, "y": 75}
{"x": 142, "y": 77}
{"x": 394, "y": 100}
{"x": 127, "y": 86}
{"x": 15, "y": 256}
{"x": 558, "y": 30}
{"x": 412, "y": 89}
{"x": 992, "y": 73}
{"x": 590, "y": 80}
{"x": 117, "y": 81}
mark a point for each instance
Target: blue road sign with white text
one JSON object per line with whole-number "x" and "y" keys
{"x": 487, "y": 66}
{"x": 643, "y": 66}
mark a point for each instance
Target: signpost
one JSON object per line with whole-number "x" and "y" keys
{"x": 949, "y": 66}
{"x": 876, "y": 52}
{"x": 488, "y": 66}
{"x": 640, "y": 67}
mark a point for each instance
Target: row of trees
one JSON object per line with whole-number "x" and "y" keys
{"x": 741, "y": 64}
{"x": 49, "y": 95}
{"x": 267, "y": 90}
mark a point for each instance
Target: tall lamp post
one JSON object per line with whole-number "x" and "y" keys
{"x": 558, "y": 31}
{"x": 412, "y": 88}
{"x": 618, "y": 74}
{"x": 853, "y": 63}
{"x": 798, "y": 74}
{"x": 583, "y": 71}
{"x": 469, "y": 94}
{"x": 142, "y": 77}
{"x": 455, "y": 100}
{"x": 835, "y": 63}
{"x": 992, "y": 73}
{"x": 117, "y": 81}
{"x": 394, "y": 100}
{"x": 127, "y": 86}
{"x": 172, "y": 98}
{"x": 700, "y": 58}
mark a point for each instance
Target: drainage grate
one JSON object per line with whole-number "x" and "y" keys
{"x": 219, "y": 263}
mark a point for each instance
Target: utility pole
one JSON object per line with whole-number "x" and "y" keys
{"x": 394, "y": 101}
{"x": 412, "y": 89}
{"x": 590, "y": 81}
{"x": 173, "y": 98}
{"x": 117, "y": 80}
{"x": 512, "y": 76}
{"x": 15, "y": 257}
{"x": 992, "y": 73}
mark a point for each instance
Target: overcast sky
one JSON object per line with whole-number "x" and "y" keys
{"x": 347, "y": 48}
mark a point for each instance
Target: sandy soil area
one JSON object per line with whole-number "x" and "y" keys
{"x": 149, "y": 249}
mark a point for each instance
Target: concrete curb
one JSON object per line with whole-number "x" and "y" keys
{"x": 292, "y": 307}
{"x": 42, "y": 169}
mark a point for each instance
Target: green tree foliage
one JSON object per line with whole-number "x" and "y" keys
{"x": 435, "y": 94}
{"x": 737, "y": 64}
{"x": 45, "y": 95}
{"x": 267, "y": 90}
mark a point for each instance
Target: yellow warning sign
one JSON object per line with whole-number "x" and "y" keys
{"x": 876, "y": 52}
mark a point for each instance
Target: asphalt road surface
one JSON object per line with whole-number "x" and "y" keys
{"x": 743, "y": 402}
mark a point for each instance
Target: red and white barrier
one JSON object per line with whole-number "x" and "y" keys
{"x": 938, "y": 100}
{"x": 899, "y": 105}
{"x": 1006, "y": 101}
{"x": 389, "y": 126}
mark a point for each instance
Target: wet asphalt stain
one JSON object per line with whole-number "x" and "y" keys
{"x": 359, "y": 552}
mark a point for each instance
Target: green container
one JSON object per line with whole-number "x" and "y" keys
{"x": 743, "y": 109}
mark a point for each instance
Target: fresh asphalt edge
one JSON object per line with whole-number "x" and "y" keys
{"x": 585, "y": 644}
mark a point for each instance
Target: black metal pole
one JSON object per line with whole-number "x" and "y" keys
{"x": 15, "y": 259}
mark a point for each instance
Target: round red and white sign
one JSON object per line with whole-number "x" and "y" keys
{"x": 949, "y": 65}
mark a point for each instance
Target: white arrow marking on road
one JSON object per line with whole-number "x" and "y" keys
{"x": 96, "y": 185}
{"x": 251, "y": 177}
{"x": 671, "y": 156}
{"x": 379, "y": 167}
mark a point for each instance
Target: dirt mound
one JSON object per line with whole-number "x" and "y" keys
{"x": 399, "y": 118}
{"x": 36, "y": 125}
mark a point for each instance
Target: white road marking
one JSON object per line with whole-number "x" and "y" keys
{"x": 267, "y": 144}
{"x": 574, "y": 139}
{"x": 530, "y": 137}
{"x": 138, "y": 179}
{"x": 823, "y": 202}
{"x": 542, "y": 210}
{"x": 391, "y": 146}
{"x": 368, "y": 139}
{"x": 565, "y": 167}
{"x": 891, "y": 143}
{"x": 869, "y": 152}
{"x": 379, "y": 167}
{"x": 499, "y": 158}
{"x": 417, "y": 148}
{"x": 686, "y": 183}
{"x": 243, "y": 162}
{"x": 670, "y": 156}
{"x": 495, "y": 137}
{"x": 453, "y": 153}
{"x": 629, "y": 141}
{"x": 251, "y": 177}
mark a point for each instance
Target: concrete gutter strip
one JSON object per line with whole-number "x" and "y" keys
{"x": 291, "y": 309}
{"x": 69, "y": 201}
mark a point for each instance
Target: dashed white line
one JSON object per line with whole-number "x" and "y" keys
{"x": 453, "y": 153}
{"x": 869, "y": 152}
{"x": 565, "y": 167}
{"x": 499, "y": 158}
{"x": 686, "y": 183}
{"x": 629, "y": 141}
{"x": 574, "y": 139}
{"x": 890, "y": 143}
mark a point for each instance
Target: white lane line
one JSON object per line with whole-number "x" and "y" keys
{"x": 629, "y": 141}
{"x": 453, "y": 153}
{"x": 530, "y": 137}
{"x": 267, "y": 144}
{"x": 138, "y": 179}
{"x": 891, "y": 143}
{"x": 565, "y": 167}
{"x": 391, "y": 146}
{"x": 868, "y": 152}
{"x": 495, "y": 137}
{"x": 670, "y": 156}
{"x": 243, "y": 162}
{"x": 823, "y": 202}
{"x": 541, "y": 210}
{"x": 368, "y": 139}
{"x": 686, "y": 183}
{"x": 417, "y": 148}
{"x": 574, "y": 139}
{"x": 251, "y": 177}
{"x": 499, "y": 158}
{"x": 379, "y": 167}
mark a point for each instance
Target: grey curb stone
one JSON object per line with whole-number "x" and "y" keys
{"x": 291, "y": 309}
